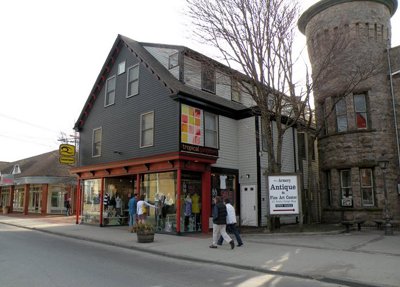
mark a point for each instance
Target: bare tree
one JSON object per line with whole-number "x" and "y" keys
{"x": 257, "y": 38}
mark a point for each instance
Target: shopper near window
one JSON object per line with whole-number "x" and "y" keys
{"x": 142, "y": 209}
{"x": 231, "y": 223}
{"x": 132, "y": 207}
{"x": 219, "y": 223}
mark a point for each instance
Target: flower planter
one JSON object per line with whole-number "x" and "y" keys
{"x": 145, "y": 237}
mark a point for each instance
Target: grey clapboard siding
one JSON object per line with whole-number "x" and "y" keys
{"x": 162, "y": 55}
{"x": 228, "y": 143}
{"x": 121, "y": 122}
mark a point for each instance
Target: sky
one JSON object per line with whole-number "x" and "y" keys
{"x": 52, "y": 52}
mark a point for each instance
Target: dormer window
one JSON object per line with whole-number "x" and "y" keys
{"x": 208, "y": 78}
{"x": 173, "y": 60}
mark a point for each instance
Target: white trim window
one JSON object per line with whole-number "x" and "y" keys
{"x": 96, "y": 142}
{"x": 121, "y": 67}
{"x": 110, "y": 91}
{"x": 341, "y": 115}
{"x": 173, "y": 60}
{"x": 147, "y": 129}
{"x": 133, "y": 81}
{"x": 210, "y": 130}
{"x": 208, "y": 78}
{"x": 360, "y": 109}
{"x": 367, "y": 187}
{"x": 345, "y": 187}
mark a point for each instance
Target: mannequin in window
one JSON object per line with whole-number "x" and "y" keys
{"x": 187, "y": 210}
{"x": 196, "y": 207}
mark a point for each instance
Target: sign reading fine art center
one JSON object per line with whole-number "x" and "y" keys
{"x": 283, "y": 194}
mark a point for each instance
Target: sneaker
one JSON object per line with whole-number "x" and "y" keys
{"x": 213, "y": 246}
{"x": 240, "y": 244}
{"x": 220, "y": 244}
{"x": 232, "y": 244}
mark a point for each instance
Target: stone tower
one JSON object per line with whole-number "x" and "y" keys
{"x": 348, "y": 44}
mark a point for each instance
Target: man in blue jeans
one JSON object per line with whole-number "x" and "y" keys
{"x": 132, "y": 204}
{"x": 231, "y": 223}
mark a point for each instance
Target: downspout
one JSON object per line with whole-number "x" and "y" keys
{"x": 393, "y": 101}
{"x": 258, "y": 166}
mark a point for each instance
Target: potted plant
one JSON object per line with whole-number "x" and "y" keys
{"x": 145, "y": 232}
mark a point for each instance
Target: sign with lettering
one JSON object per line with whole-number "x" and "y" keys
{"x": 283, "y": 194}
{"x": 199, "y": 149}
{"x": 67, "y": 154}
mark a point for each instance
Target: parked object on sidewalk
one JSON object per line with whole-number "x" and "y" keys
{"x": 6, "y": 209}
{"x": 145, "y": 232}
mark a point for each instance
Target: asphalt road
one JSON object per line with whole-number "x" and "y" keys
{"x": 31, "y": 258}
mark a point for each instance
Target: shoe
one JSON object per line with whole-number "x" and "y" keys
{"x": 232, "y": 244}
{"x": 220, "y": 244}
{"x": 240, "y": 244}
{"x": 213, "y": 246}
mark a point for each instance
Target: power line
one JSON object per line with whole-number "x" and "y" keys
{"x": 26, "y": 123}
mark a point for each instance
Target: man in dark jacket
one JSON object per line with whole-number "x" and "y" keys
{"x": 219, "y": 223}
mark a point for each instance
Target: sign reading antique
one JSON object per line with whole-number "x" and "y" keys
{"x": 283, "y": 194}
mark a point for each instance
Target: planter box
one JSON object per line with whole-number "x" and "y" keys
{"x": 6, "y": 209}
{"x": 145, "y": 237}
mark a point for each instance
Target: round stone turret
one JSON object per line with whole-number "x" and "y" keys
{"x": 347, "y": 42}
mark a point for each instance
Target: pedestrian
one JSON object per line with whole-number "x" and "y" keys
{"x": 231, "y": 223}
{"x": 132, "y": 206}
{"x": 141, "y": 209}
{"x": 67, "y": 205}
{"x": 219, "y": 223}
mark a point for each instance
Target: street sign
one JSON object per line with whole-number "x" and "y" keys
{"x": 67, "y": 160}
{"x": 283, "y": 194}
{"x": 67, "y": 150}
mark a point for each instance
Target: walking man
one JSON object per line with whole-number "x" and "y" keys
{"x": 219, "y": 223}
{"x": 231, "y": 223}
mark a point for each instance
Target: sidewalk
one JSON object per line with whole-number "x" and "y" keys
{"x": 360, "y": 258}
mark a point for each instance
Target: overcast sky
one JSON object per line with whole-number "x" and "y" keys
{"x": 52, "y": 52}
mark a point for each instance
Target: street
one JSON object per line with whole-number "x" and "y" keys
{"x": 31, "y": 258}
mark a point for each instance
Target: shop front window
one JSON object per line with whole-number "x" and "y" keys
{"x": 160, "y": 189}
{"x": 117, "y": 193}
{"x": 18, "y": 202}
{"x": 35, "y": 198}
{"x": 91, "y": 201}
{"x": 57, "y": 197}
{"x": 4, "y": 197}
{"x": 191, "y": 202}
{"x": 224, "y": 184}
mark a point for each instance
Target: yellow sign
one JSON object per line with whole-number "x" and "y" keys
{"x": 67, "y": 150}
{"x": 67, "y": 160}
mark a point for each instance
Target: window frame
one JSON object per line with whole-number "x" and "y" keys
{"x": 235, "y": 92}
{"x": 121, "y": 68}
{"x": 346, "y": 200}
{"x": 99, "y": 143}
{"x": 208, "y": 78}
{"x": 341, "y": 115}
{"x": 172, "y": 62}
{"x": 142, "y": 131}
{"x": 364, "y": 112}
{"x": 208, "y": 131}
{"x": 129, "y": 82}
{"x": 107, "y": 92}
{"x": 370, "y": 187}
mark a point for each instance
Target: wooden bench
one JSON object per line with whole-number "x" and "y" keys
{"x": 350, "y": 223}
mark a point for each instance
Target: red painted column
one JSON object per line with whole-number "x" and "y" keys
{"x": 178, "y": 200}
{"x": 11, "y": 199}
{"x": 138, "y": 185}
{"x": 26, "y": 199}
{"x": 45, "y": 192}
{"x": 78, "y": 201}
{"x": 101, "y": 201}
{"x": 205, "y": 200}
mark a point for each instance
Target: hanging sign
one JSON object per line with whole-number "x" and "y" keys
{"x": 67, "y": 154}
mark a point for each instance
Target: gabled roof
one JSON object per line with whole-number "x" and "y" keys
{"x": 42, "y": 165}
{"x": 177, "y": 89}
